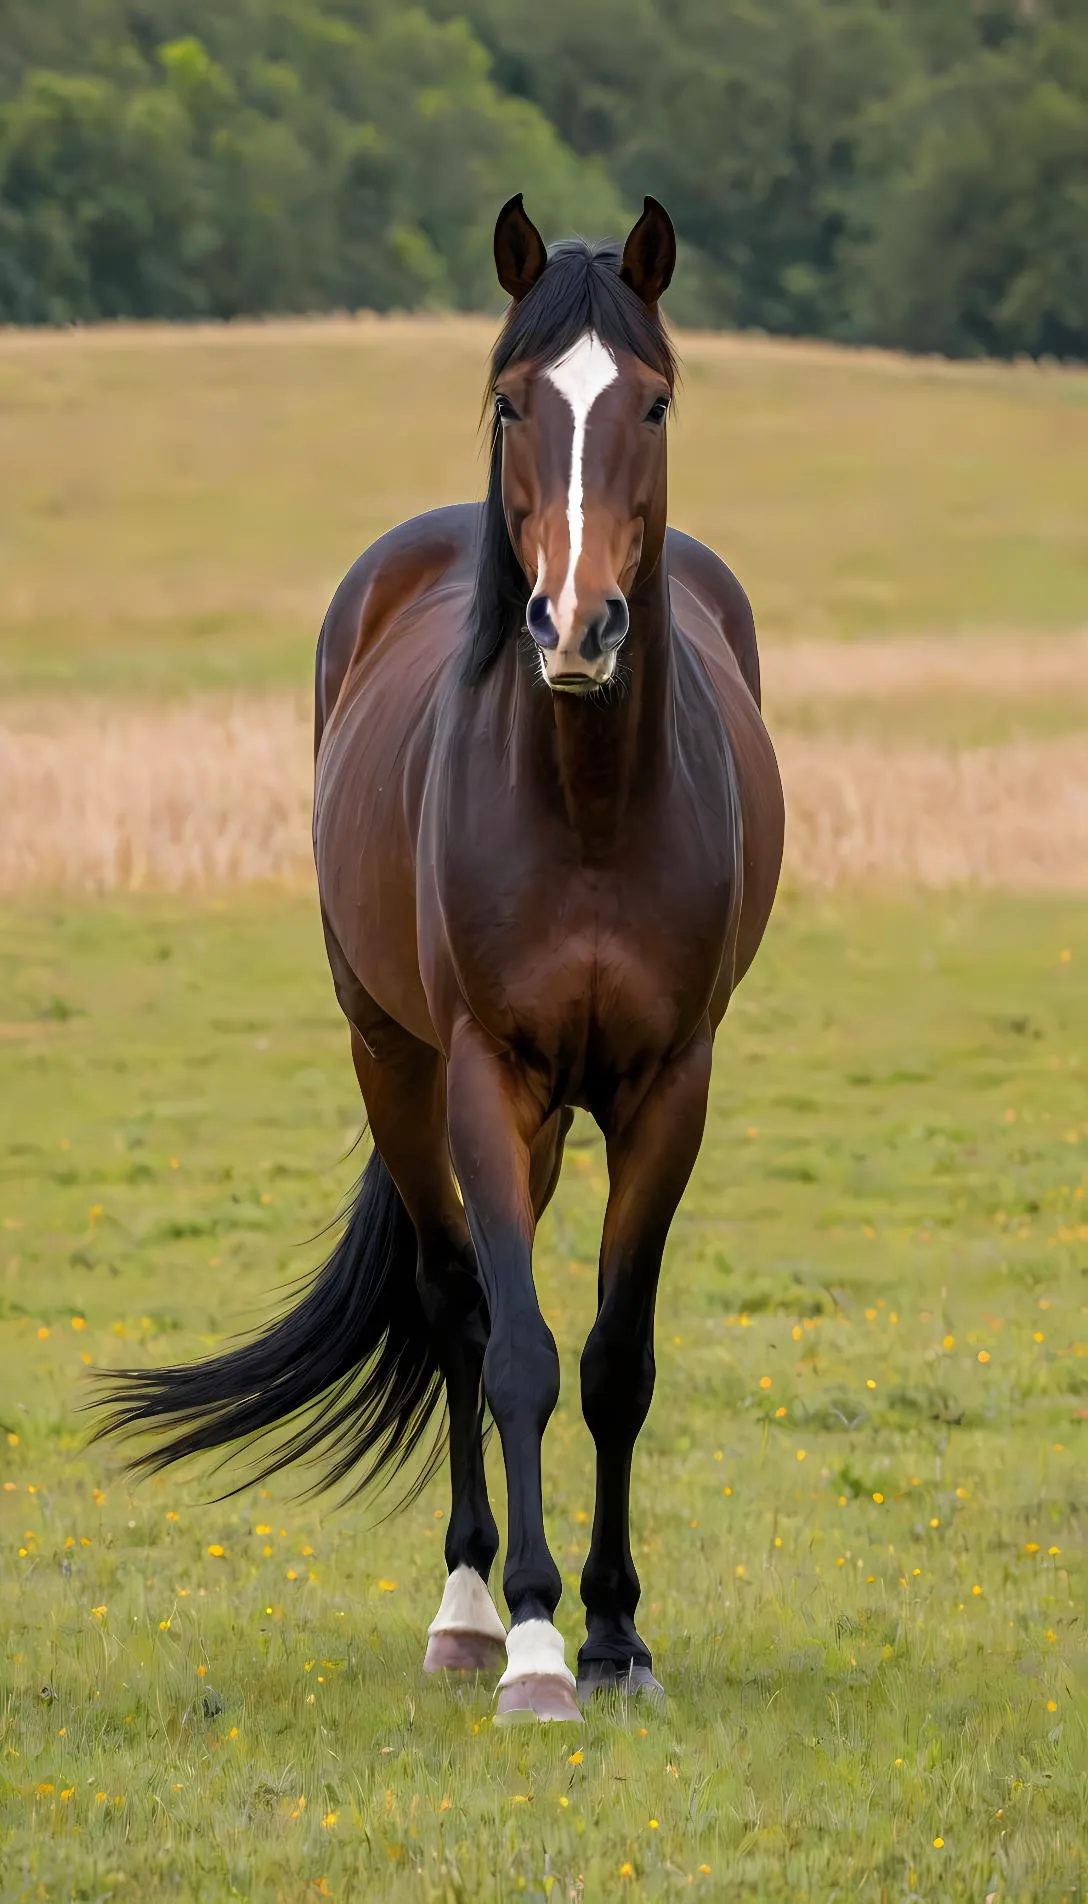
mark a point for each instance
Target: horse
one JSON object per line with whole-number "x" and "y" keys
{"x": 548, "y": 828}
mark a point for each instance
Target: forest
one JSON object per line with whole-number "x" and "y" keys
{"x": 911, "y": 173}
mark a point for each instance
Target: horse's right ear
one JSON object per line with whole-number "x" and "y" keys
{"x": 520, "y": 256}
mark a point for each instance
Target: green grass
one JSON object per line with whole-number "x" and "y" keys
{"x": 185, "y": 503}
{"x": 867, "y": 1650}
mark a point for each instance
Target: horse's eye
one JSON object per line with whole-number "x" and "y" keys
{"x": 505, "y": 410}
{"x": 658, "y": 410}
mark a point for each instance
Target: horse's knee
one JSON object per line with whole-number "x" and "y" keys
{"x": 617, "y": 1385}
{"x": 521, "y": 1372}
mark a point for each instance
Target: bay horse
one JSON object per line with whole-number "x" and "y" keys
{"x": 548, "y": 830}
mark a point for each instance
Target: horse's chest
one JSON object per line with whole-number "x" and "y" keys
{"x": 600, "y": 972}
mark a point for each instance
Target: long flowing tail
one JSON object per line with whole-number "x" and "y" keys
{"x": 351, "y": 1369}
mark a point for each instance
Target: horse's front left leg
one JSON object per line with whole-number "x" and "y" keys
{"x": 495, "y": 1113}
{"x": 650, "y": 1158}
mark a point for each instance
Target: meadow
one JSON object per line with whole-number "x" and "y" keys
{"x": 180, "y": 504}
{"x": 860, "y": 1507}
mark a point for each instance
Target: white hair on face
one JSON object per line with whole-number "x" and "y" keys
{"x": 587, "y": 369}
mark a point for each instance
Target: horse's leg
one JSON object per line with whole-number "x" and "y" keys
{"x": 650, "y": 1158}
{"x": 405, "y": 1095}
{"x": 495, "y": 1115}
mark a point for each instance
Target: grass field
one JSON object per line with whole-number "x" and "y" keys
{"x": 179, "y": 505}
{"x": 860, "y": 1503}
{"x": 860, "y": 1506}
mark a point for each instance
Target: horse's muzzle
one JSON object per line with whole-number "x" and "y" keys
{"x": 586, "y": 661}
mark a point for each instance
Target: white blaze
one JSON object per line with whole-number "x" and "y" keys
{"x": 587, "y": 369}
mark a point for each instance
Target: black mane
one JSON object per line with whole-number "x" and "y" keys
{"x": 579, "y": 290}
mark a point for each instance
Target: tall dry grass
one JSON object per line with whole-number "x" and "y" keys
{"x": 177, "y": 797}
{"x": 1012, "y": 816}
{"x": 1020, "y": 669}
{"x": 216, "y": 792}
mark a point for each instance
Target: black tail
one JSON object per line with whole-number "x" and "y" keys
{"x": 357, "y": 1344}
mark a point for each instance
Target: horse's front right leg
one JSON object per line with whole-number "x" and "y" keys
{"x": 405, "y": 1095}
{"x": 494, "y": 1114}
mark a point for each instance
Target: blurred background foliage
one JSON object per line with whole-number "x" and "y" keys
{"x": 864, "y": 170}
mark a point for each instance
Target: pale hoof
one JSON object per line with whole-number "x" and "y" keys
{"x": 540, "y": 1697}
{"x": 633, "y": 1681}
{"x": 464, "y": 1653}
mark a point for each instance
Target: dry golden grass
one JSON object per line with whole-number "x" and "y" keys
{"x": 1012, "y": 816}
{"x": 213, "y": 792}
{"x": 216, "y": 792}
{"x": 1027, "y": 668}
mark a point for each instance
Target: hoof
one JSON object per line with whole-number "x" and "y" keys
{"x": 541, "y": 1697}
{"x": 464, "y": 1653}
{"x": 633, "y": 1681}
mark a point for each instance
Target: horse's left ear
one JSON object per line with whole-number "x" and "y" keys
{"x": 520, "y": 256}
{"x": 649, "y": 255}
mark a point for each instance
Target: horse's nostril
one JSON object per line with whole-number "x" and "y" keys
{"x": 606, "y": 630}
{"x": 617, "y": 620}
{"x": 538, "y": 620}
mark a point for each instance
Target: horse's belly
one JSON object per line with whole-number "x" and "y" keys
{"x": 365, "y": 855}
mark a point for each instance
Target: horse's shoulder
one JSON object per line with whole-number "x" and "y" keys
{"x": 403, "y": 564}
{"x": 711, "y": 604}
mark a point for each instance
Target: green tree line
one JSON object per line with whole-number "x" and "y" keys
{"x": 907, "y": 172}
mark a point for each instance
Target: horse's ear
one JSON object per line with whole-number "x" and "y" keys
{"x": 520, "y": 256}
{"x": 650, "y": 254}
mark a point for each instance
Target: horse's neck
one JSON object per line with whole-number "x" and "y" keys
{"x": 609, "y": 750}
